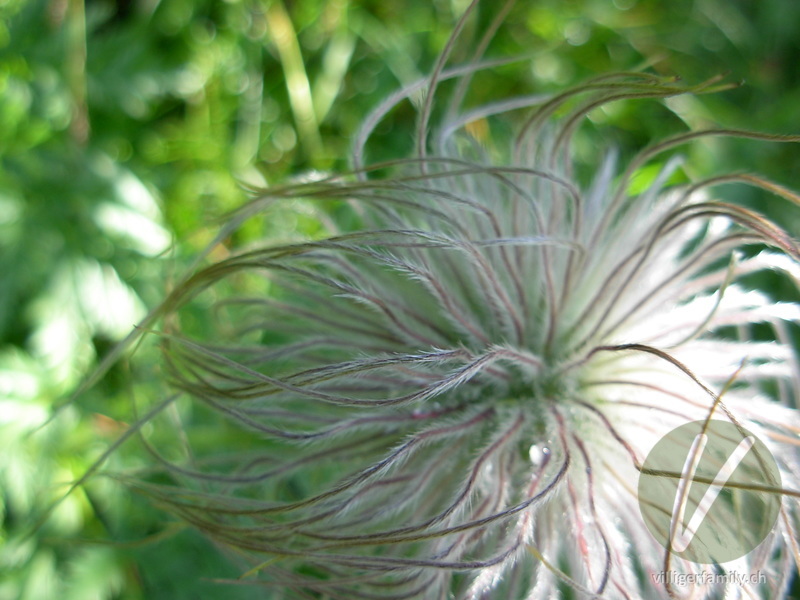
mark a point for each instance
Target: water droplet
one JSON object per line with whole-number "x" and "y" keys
{"x": 538, "y": 454}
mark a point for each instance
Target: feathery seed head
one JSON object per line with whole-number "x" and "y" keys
{"x": 453, "y": 395}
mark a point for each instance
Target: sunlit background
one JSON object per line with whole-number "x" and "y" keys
{"x": 128, "y": 128}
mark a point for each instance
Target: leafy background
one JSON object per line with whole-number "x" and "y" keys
{"x": 128, "y": 127}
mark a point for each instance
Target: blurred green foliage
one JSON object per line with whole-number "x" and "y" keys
{"x": 128, "y": 124}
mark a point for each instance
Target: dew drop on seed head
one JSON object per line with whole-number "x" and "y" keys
{"x": 538, "y": 454}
